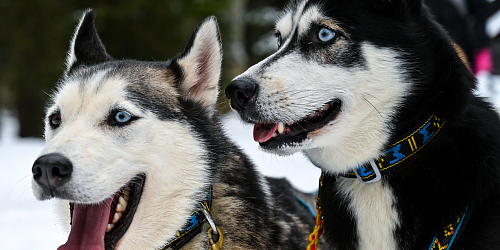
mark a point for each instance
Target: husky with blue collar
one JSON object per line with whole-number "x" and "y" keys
{"x": 374, "y": 94}
{"x": 136, "y": 155}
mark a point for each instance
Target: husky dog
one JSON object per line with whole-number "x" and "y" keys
{"x": 137, "y": 150}
{"x": 373, "y": 92}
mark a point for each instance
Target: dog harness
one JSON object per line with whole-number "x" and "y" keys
{"x": 445, "y": 238}
{"x": 318, "y": 229}
{"x": 397, "y": 153}
{"x": 193, "y": 228}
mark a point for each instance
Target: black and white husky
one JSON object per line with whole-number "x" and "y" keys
{"x": 373, "y": 92}
{"x": 137, "y": 150}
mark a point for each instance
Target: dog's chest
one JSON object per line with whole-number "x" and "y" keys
{"x": 372, "y": 206}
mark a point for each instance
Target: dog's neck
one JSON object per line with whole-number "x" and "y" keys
{"x": 371, "y": 198}
{"x": 399, "y": 151}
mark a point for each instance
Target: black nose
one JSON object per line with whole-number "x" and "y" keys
{"x": 240, "y": 91}
{"x": 51, "y": 171}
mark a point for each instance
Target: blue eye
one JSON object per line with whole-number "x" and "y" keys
{"x": 122, "y": 117}
{"x": 325, "y": 35}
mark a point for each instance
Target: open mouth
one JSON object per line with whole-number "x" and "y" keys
{"x": 101, "y": 226}
{"x": 273, "y": 135}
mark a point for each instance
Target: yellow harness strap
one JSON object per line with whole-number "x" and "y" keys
{"x": 318, "y": 229}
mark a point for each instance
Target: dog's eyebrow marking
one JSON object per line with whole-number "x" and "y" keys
{"x": 311, "y": 15}
{"x": 285, "y": 24}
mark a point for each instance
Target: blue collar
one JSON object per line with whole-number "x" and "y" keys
{"x": 398, "y": 152}
{"x": 192, "y": 226}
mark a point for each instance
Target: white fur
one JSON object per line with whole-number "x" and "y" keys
{"x": 289, "y": 18}
{"x": 376, "y": 218}
{"x": 312, "y": 14}
{"x": 299, "y": 11}
{"x": 106, "y": 158}
{"x": 370, "y": 100}
{"x": 285, "y": 24}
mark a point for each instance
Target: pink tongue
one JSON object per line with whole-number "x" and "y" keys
{"x": 88, "y": 227}
{"x": 262, "y": 132}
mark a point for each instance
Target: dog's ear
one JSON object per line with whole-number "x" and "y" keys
{"x": 86, "y": 47}
{"x": 200, "y": 64}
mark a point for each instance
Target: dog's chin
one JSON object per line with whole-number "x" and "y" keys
{"x": 100, "y": 226}
{"x": 288, "y": 138}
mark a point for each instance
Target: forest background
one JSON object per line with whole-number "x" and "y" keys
{"x": 35, "y": 36}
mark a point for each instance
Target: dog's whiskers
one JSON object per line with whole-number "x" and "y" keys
{"x": 371, "y": 104}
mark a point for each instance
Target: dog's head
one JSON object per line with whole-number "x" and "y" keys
{"x": 119, "y": 146}
{"x": 341, "y": 74}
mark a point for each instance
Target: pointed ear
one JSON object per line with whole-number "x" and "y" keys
{"x": 86, "y": 46}
{"x": 200, "y": 64}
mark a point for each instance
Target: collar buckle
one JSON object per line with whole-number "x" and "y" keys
{"x": 368, "y": 173}
{"x": 216, "y": 237}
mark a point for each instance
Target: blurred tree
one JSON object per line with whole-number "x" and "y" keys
{"x": 30, "y": 50}
{"x": 35, "y": 38}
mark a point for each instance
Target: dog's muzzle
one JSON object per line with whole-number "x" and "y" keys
{"x": 51, "y": 171}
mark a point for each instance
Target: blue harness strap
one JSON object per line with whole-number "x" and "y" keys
{"x": 303, "y": 203}
{"x": 445, "y": 238}
{"x": 192, "y": 226}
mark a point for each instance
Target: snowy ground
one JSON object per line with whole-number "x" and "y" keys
{"x": 30, "y": 224}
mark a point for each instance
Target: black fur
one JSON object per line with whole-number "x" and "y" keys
{"x": 460, "y": 167}
{"x": 88, "y": 47}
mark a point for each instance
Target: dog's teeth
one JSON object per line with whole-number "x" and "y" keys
{"x": 123, "y": 200}
{"x": 281, "y": 128}
{"x": 275, "y": 134}
{"x": 117, "y": 217}
{"x": 110, "y": 226}
{"x": 327, "y": 106}
{"x": 120, "y": 208}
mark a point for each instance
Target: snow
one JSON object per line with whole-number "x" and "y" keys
{"x": 27, "y": 223}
